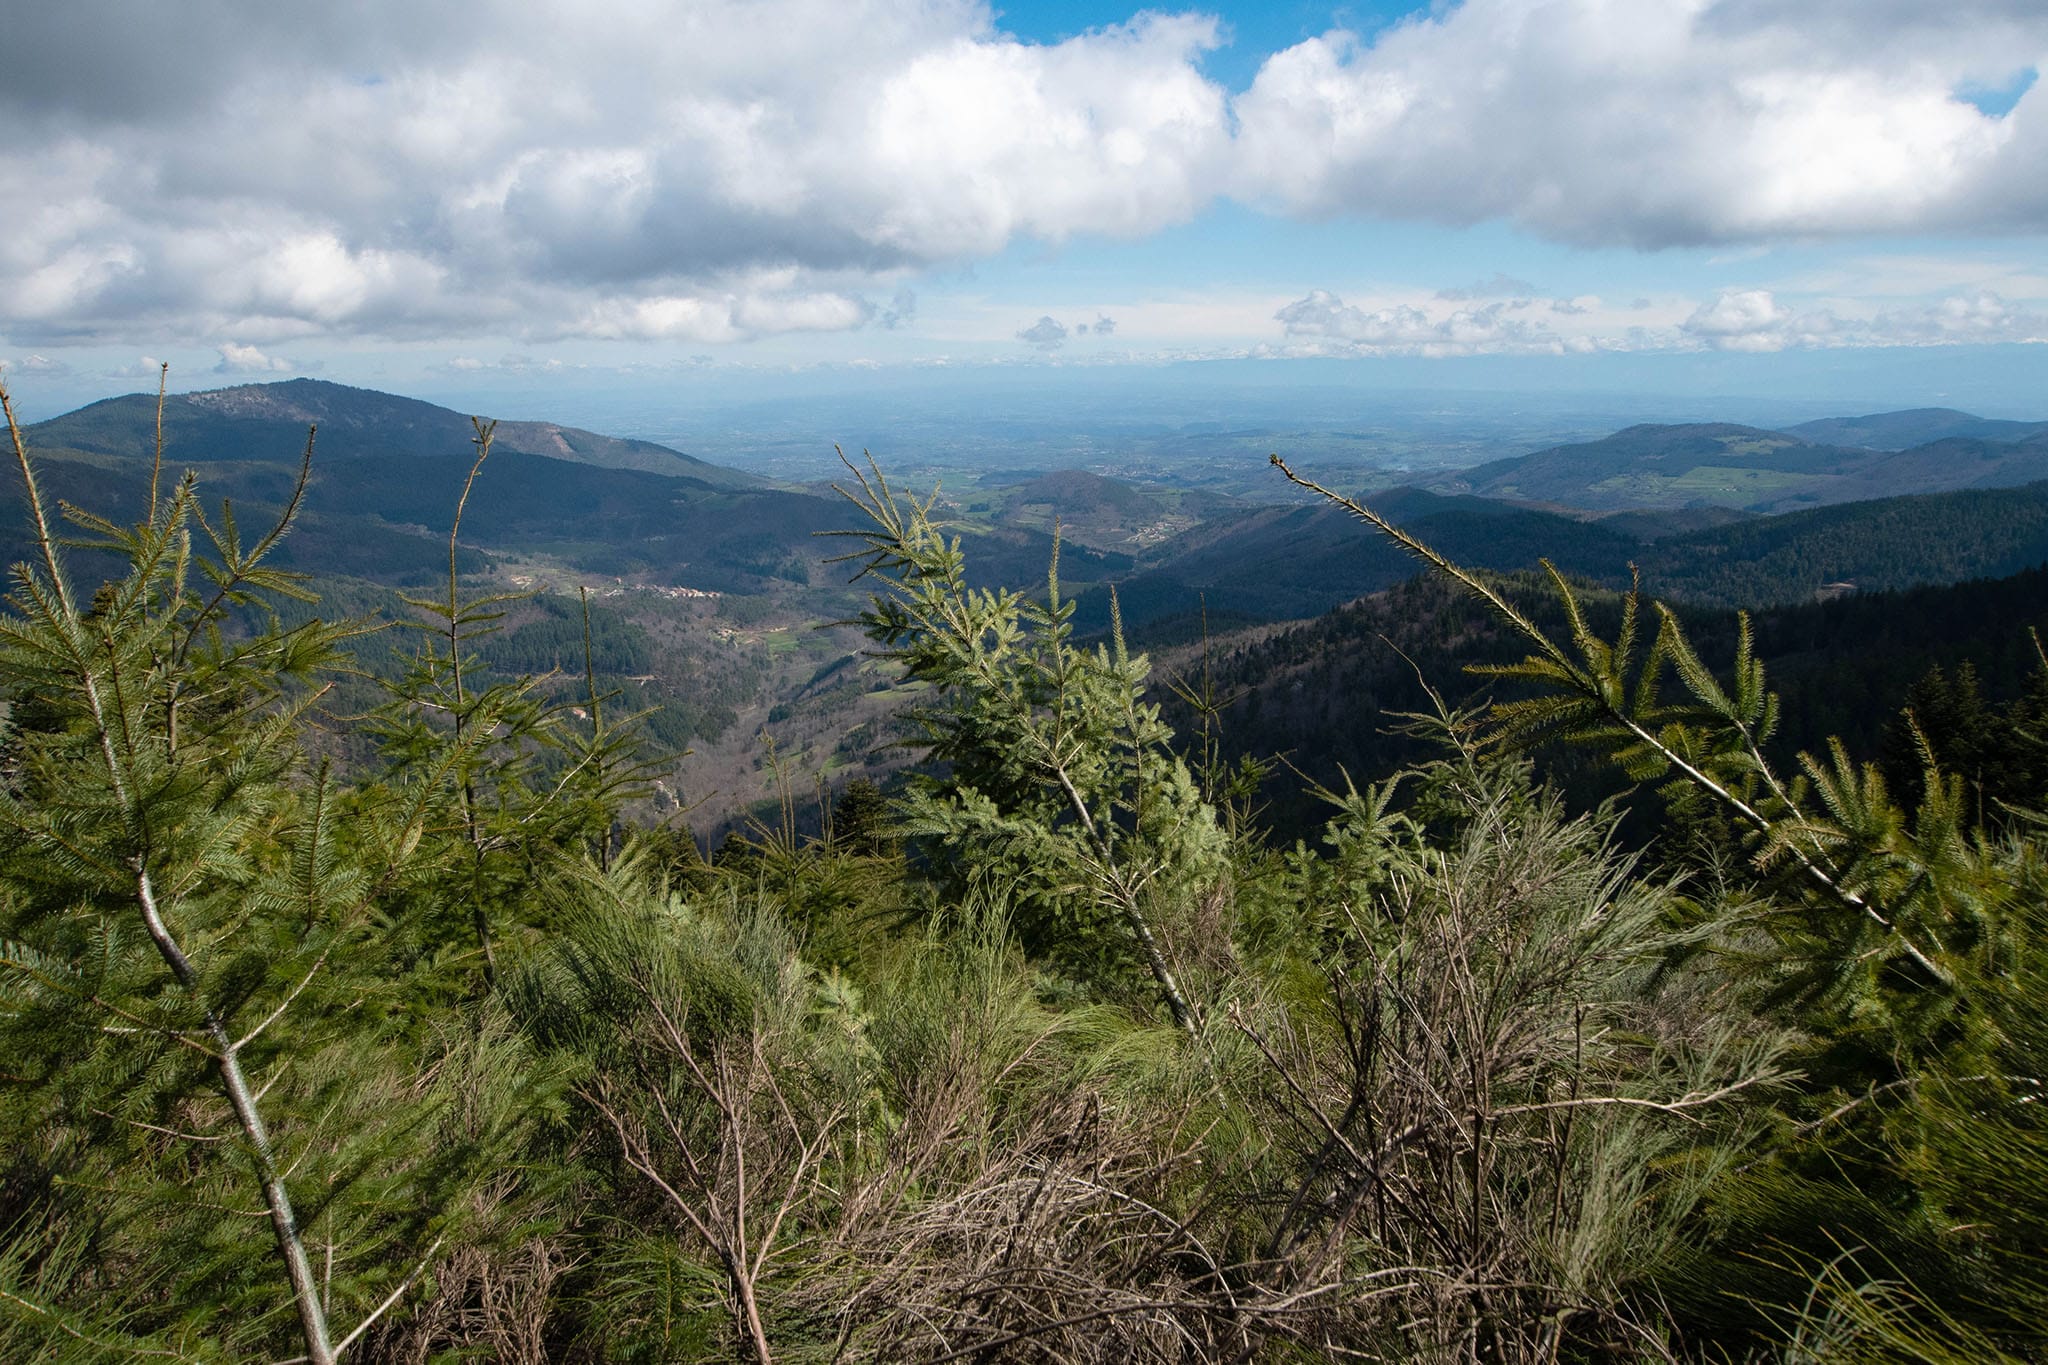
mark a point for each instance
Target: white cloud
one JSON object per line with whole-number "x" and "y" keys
{"x": 721, "y": 316}
{"x": 1742, "y": 320}
{"x": 732, "y": 169}
{"x": 1751, "y": 320}
{"x": 1981, "y": 318}
{"x": 525, "y": 364}
{"x": 248, "y": 360}
{"x": 1755, "y": 320}
{"x": 1655, "y": 122}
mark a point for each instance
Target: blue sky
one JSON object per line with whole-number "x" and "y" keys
{"x": 1254, "y": 32}
{"x": 519, "y": 198}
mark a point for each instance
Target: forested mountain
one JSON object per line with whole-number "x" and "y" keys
{"x": 1273, "y": 563}
{"x": 1324, "y": 695}
{"x": 269, "y": 421}
{"x": 387, "y": 472}
{"x": 458, "y": 1049}
{"x": 1877, "y": 545}
{"x": 1280, "y": 563}
{"x": 721, "y": 580}
{"x": 1915, "y": 426}
{"x": 388, "y": 469}
{"x": 1749, "y": 468}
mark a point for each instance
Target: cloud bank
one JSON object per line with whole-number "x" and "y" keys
{"x": 1751, "y": 320}
{"x": 254, "y": 174}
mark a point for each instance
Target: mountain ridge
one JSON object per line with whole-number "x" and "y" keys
{"x": 1910, "y": 427}
{"x": 1746, "y": 468}
{"x": 269, "y": 421}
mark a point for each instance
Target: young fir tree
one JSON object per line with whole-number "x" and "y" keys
{"x": 203, "y": 1029}
{"x": 1061, "y": 782}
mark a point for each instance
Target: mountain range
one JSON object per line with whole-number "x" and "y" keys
{"x": 388, "y": 470}
{"x": 1721, "y": 464}
{"x": 1286, "y": 562}
{"x": 1689, "y": 505}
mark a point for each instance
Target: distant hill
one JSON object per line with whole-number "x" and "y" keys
{"x": 1913, "y": 427}
{"x": 1276, "y": 563}
{"x": 1078, "y": 492}
{"x": 269, "y": 421}
{"x": 1746, "y": 468}
{"x": 1882, "y": 545}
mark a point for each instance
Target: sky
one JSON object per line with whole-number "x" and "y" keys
{"x": 540, "y": 195}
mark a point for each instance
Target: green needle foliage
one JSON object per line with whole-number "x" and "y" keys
{"x": 1061, "y": 780}
{"x": 191, "y": 972}
{"x": 177, "y": 910}
{"x": 496, "y": 780}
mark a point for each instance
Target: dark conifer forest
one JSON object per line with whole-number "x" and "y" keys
{"x": 1665, "y": 990}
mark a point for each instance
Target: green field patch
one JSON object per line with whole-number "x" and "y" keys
{"x": 1754, "y": 446}
{"x": 1705, "y": 480}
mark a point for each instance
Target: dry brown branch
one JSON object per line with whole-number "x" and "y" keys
{"x": 710, "y": 1124}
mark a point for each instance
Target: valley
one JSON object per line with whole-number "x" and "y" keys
{"x": 717, "y": 593}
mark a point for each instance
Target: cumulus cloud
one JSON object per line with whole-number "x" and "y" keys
{"x": 1755, "y": 320}
{"x": 248, "y": 360}
{"x": 1743, "y": 320}
{"x": 37, "y": 365}
{"x": 740, "y": 168}
{"x": 1982, "y": 317}
{"x": 518, "y": 363}
{"x": 1660, "y": 122}
{"x": 515, "y": 363}
{"x": 1046, "y": 334}
{"x": 721, "y": 315}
